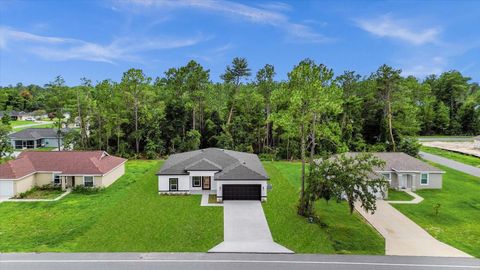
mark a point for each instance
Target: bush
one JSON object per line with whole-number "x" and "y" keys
{"x": 409, "y": 145}
{"x": 80, "y": 189}
{"x": 268, "y": 157}
{"x": 49, "y": 187}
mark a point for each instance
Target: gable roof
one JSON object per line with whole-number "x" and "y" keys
{"x": 64, "y": 162}
{"x": 36, "y": 133}
{"x": 231, "y": 165}
{"x": 399, "y": 161}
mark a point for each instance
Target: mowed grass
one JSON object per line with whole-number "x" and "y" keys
{"x": 467, "y": 159}
{"x": 20, "y": 123}
{"x": 36, "y": 126}
{"x": 397, "y": 195}
{"x": 127, "y": 216}
{"x": 458, "y": 221}
{"x": 339, "y": 231}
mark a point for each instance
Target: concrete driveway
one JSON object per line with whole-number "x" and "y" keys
{"x": 246, "y": 229}
{"x": 405, "y": 237}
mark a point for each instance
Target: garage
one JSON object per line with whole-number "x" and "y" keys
{"x": 6, "y": 188}
{"x": 242, "y": 192}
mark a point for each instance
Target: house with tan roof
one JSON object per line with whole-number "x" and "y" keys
{"x": 60, "y": 168}
{"x": 406, "y": 172}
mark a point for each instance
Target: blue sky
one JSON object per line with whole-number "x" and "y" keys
{"x": 101, "y": 39}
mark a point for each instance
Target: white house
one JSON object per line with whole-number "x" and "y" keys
{"x": 231, "y": 175}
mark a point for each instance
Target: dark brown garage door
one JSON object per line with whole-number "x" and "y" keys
{"x": 241, "y": 192}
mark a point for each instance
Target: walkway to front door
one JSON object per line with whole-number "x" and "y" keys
{"x": 246, "y": 229}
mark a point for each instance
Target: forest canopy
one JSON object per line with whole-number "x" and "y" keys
{"x": 252, "y": 111}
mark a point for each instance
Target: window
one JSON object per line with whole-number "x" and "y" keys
{"x": 386, "y": 175}
{"x": 173, "y": 184}
{"x": 424, "y": 179}
{"x": 18, "y": 145}
{"x": 196, "y": 181}
{"x": 88, "y": 181}
{"x": 56, "y": 180}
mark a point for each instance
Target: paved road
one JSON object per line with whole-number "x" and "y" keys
{"x": 246, "y": 229}
{"x": 200, "y": 261}
{"x": 403, "y": 236}
{"x": 445, "y": 139}
{"x": 452, "y": 164}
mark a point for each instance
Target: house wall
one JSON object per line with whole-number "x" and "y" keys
{"x": 213, "y": 183}
{"x": 52, "y": 142}
{"x": 23, "y": 184}
{"x": 434, "y": 181}
{"x": 42, "y": 179}
{"x": 112, "y": 176}
{"x": 183, "y": 183}
{"x": 264, "y": 184}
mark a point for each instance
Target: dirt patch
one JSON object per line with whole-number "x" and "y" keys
{"x": 461, "y": 147}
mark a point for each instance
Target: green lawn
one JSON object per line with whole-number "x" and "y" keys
{"x": 127, "y": 216}
{"x": 49, "y": 125}
{"x": 458, "y": 222}
{"x": 397, "y": 195}
{"x": 13, "y": 124}
{"x": 43, "y": 149}
{"x": 339, "y": 232}
{"x": 467, "y": 159}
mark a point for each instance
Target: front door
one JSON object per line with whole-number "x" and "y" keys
{"x": 206, "y": 182}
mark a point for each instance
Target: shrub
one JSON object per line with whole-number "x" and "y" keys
{"x": 409, "y": 145}
{"x": 80, "y": 189}
{"x": 49, "y": 187}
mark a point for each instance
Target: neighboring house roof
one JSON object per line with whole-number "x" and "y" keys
{"x": 231, "y": 165}
{"x": 64, "y": 162}
{"x": 399, "y": 161}
{"x": 36, "y": 133}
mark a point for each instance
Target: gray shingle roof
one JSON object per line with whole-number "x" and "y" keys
{"x": 399, "y": 161}
{"x": 232, "y": 165}
{"x": 36, "y": 133}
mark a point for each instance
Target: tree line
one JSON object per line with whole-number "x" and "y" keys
{"x": 311, "y": 113}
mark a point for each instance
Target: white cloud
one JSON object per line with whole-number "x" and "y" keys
{"x": 421, "y": 67}
{"x": 386, "y": 26}
{"x": 61, "y": 49}
{"x": 269, "y": 15}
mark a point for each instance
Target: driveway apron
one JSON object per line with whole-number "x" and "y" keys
{"x": 405, "y": 237}
{"x": 246, "y": 229}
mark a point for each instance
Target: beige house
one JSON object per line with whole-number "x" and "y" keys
{"x": 60, "y": 168}
{"x": 406, "y": 172}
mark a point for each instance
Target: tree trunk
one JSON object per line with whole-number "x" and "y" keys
{"x": 302, "y": 205}
{"x": 193, "y": 118}
{"x": 390, "y": 128}
{"x": 82, "y": 140}
{"x": 58, "y": 132}
{"x": 230, "y": 113}
{"x": 312, "y": 148}
{"x": 137, "y": 142}
{"x": 302, "y": 146}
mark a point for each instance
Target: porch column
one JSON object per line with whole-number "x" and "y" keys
{"x": 63, "y": 180}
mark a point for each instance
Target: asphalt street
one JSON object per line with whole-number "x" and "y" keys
{"x": 214, "y": 261}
